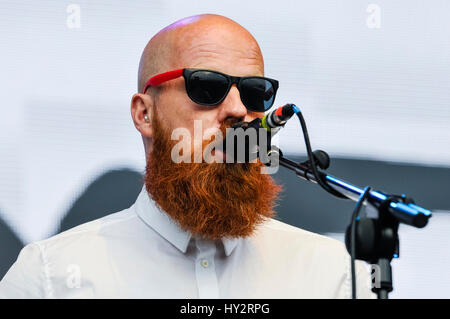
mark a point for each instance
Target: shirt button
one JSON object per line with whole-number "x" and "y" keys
{"x": 205, "y": 263}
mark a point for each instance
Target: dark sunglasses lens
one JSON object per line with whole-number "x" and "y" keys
{"x": 207, "y": 88}
{"x": 257, "y": 94}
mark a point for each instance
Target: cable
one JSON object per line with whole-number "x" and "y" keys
{"x": 326, "y": 187}
{"x": 355, "y": 214}
{"x": 320, "y": 182}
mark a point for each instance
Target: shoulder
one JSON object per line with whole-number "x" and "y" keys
{"x": 283, "y": 233}
{"x": 88, "y": 234}
{"x": 326, "y": 257}
{"x": 40, "y": 262}
{"x": 281, "y": 240}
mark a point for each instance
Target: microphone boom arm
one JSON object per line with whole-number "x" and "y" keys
{"x": 374, "y": 240}
{"x": 400, "y": 207}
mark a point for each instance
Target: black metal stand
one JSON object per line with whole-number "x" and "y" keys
{"x": 376, "y": 239}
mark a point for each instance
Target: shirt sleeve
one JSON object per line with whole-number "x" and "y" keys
{"x": 27, "y": 276}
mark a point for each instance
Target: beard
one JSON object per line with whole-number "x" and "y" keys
{"x": 209, "y": 200}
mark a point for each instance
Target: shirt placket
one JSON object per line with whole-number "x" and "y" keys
{"x": 205, "y": 269}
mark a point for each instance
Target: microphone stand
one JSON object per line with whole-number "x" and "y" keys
{"x": 377, "y": 239}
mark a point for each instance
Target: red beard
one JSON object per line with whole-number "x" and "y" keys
{"x": 210, "y": 200}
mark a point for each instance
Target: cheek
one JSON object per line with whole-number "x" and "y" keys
{"x": 201, "y": 124}
{"x": 177, "y": 110}
{"x": 173, "y": 107}
{"x": 187, "y": 114}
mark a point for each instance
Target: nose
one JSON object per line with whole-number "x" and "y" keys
{"x": 232, "y": 107}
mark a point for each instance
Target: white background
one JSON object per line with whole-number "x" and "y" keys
{"x": 367, "y": 91}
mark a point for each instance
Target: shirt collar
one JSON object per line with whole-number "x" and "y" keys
{"x": 164, "y": 225}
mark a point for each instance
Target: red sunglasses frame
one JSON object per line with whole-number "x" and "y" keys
{"x": 163, "y": 77}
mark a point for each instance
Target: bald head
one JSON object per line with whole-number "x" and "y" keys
{"x": 202, "y": 41}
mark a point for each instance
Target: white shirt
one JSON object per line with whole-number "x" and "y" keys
{"x": 141, "y": 253}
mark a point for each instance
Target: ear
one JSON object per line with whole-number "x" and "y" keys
{"x": 141, "y": 112}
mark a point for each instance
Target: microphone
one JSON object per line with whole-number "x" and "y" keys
{"x": 276, "y": 119}
{"x": 264, "y": 129}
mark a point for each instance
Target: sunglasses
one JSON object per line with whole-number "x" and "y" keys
{"x": 210, "y": 88}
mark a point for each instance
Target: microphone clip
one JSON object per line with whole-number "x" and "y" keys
{"x": 321, "y": 160}
{"x": 255, "y": 139}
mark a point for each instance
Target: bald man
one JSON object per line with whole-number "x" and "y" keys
{"x": 198, "y": 229}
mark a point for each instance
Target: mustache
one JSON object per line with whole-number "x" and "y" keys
{"x": 216, "y": 139}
